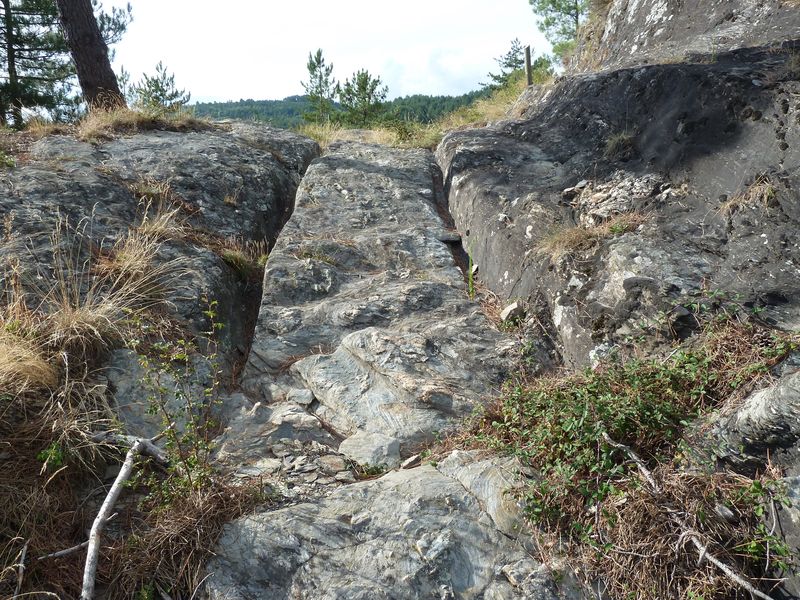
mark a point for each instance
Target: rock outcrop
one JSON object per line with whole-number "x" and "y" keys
{"x": 367, "y": 343}
{"x": 365, "y": 320}
{"x": 218, "y": 185}
{"x": 615, "y": 196}
{"x": 638, "y": 32}
{"x": 410, "y": 534}
{"x": 603, "y": 207}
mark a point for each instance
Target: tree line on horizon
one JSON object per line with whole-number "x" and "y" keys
{"x": 288, "y": 112}
{"x": 49, "y": 67}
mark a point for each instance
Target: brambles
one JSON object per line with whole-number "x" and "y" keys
{"x": 588, "y": 491}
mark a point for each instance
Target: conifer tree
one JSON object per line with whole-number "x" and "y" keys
{"x": 320, "y": 88}
{"x": 35, "y": 66}
{"x": 362, "y": 98}
{"x": 159, "y": 92}
{"x": 560, "y": 20}
{"x": 89, "y": 54}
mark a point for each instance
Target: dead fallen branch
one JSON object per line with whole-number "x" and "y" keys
{"x": 93, "y": 552}
{"x": 686, "y": 531}
{"x": 148, "y": 447}
{"x": 21, "y": 570}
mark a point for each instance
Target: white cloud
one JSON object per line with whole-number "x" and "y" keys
{"x": 246, "y": 49}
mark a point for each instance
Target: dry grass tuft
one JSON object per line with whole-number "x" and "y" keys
{"x": 762, "y": 193}
{"x": 24, "y": 366}
{"x": 178, "y": 538}
{"x": 248, "y": 258}
{"x": 619, "y": 146}
{"x": 570, "y": 240}
{"x": 323, "y": 133}
{"x": 39, "y": 128}
{"x": 100, "y": 125}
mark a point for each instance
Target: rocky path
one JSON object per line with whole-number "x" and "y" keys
{"x": 366, "y": 347}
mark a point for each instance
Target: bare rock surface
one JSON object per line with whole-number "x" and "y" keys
{"x": 410, "y": 534}
{"x": 366, "y": 346}
{"x": 701, "y": 159}
{"x": 656, "y": 31}
{"x": 237, "y": 183}
{"x": 365, "y": 320}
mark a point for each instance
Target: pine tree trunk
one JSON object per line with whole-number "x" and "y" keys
{"x": 11, "y": 65}
{"x": 90, "y": 55}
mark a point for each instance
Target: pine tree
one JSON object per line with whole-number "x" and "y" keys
{"x": 320, "y": 89}
{"x": 362, "y": 98}
{"x": 510, "y": 63}
{"x": 89, "y": 54}
{"x": 158, "y": 92}
{"x": 35, "y": 65}
{"x": 560, "y": 20}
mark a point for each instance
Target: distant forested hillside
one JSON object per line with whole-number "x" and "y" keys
{"x": 284, "y": 113}
{"x": 288, "y": 112}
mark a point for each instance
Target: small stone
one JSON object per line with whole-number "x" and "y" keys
{"x": 267, "y": 465}
{"x": 345, "y": 477}
{"x": 332, "y": 463}
{"x": 372, "y": 449}
{"x": 279, "y": 450}
{"x": 311, "y": 477}
{"x": 512, "y": 311}
{"x": 301, "y": 397}
{"x": 569, "y": 193}
{"x": 411, "y": 461}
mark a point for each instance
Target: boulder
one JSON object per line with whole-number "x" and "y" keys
{"x": 410, "y": 534}
{"x": 372, "y": 450}
{"x": 365, "y": 307}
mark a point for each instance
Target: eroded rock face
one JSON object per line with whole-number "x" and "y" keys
{"x": 704, "y": 156}
{"x": 366, "y": 346}
{"x": 410, "y": 534}
{"x": 365, "y": 309}
{"x": 654, "y": 31}
{"x": 226, "y": 183}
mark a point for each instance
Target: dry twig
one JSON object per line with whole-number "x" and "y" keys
{"x": 93, "y": 552}
{"x": 21, "y": 570}
{"x": 687, "y": 531}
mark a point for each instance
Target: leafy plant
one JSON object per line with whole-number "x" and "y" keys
{"x": 7, "y": 161}
{"x": 587, "y": 489}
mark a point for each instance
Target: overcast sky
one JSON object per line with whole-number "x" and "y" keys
{"x": 259, "y": 49}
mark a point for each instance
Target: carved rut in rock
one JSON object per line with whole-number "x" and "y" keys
{"x": 367, "y": 344}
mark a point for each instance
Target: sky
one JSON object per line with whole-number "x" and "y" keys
{"x": 242, "y": 49}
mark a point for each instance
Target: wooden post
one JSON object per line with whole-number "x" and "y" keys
{"x": 528, "y": 71}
